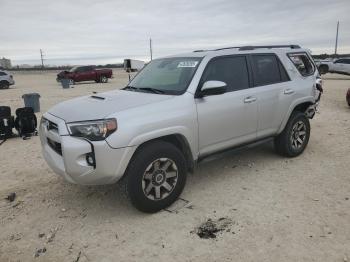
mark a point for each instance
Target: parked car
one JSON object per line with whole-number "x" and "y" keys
{"x": 131, "y": 65}
{"x": 348, "y": 96}
{"x": 86, "y": 73}
{"x": 176, "y": 112}
{"x": 6, "y": 80}
{"x": 340, "y": 66}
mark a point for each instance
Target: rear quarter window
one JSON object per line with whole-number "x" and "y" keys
{"x": 303, "y": 63}
{"x": 267, "y": 70}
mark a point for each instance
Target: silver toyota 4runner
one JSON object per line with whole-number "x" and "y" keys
{"x": 179, "y": 110}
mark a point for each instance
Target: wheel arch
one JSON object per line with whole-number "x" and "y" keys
{"x": 301, "y": 106}
{"x": 177, "y": 140}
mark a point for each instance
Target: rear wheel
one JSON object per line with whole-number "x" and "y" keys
{"x": 295, "y": 136}
{"x": 103, "y": 79}
{"x": 155, "y": 176}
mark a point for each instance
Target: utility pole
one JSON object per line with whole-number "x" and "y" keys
{"x": 336, "y": 40}
{"x": 42, "y": 59}
{"x": 150, "y": 48}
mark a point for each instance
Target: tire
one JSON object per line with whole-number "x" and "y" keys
{"x": 295, "y": 136}
{"x": 155, "y": 177}
{"x": 103, "y": 79}
{"x": 4, "y": 85}
{"x": 323, "y": 69}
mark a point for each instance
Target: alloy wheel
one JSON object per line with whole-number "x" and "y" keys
{"x": 159, "y": 179}
{"x": 298, "y": 135}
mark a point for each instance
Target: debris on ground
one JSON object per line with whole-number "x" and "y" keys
{"x": 11, "y": 197}
{"x": 16, "y": 237}
{"x": 40, "y": 251}
{"x": 41, "y": 235}
{"x": 78, "y": 257}
{"x": 210, "y": 228}
{"x": 52, "y": 234}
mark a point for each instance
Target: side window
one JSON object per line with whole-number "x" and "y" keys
{"x": 266, "y": 70}
{"x": 232, "y": 70}
{"x": 2, "y": 74}
{"x": 339, "y": 61}
{"x": 302, "y": 62}
{"x": 347, "y": 61}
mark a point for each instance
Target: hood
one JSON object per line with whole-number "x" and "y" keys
{"x": 99, "y": 106}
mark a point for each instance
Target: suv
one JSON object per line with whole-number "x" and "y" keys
{"x": 6, "y": 80}
{"x": 340, "y": 66}
{"x": 177, "y": 111}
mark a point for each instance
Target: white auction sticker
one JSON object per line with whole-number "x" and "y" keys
{"x": 188, "y": 64}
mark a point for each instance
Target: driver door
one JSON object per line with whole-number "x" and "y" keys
{"x": 228, "y": 119}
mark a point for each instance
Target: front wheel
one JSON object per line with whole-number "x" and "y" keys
{"x": 295, "y": 136}
{"x": 155, "y": 176}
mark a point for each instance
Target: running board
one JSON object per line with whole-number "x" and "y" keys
{"x": 232, "y": 150}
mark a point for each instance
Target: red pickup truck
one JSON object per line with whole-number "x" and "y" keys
{"x": 85, "y": 73}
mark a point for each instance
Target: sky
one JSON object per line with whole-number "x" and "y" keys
{"x": 107, "y": 31}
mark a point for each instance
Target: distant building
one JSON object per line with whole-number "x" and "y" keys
{"x": 5, "y": 63}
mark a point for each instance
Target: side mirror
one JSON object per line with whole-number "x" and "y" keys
{"x": 212, "y": 87}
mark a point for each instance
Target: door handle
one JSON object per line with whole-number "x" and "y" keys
{"x": 249, "y": 99}
{"x": 288, "y": 91}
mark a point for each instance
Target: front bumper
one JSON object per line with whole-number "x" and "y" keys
{"x": 67, "y": 155}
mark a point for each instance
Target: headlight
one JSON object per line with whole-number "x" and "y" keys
{"x": 93, "y": 130}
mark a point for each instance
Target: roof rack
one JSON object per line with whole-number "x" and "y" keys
{"x": 243, "y": 48}
{"x": 246, "y": 48}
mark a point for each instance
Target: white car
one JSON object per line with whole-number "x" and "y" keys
{"x": 340, "y": 66}
{"x": 179, "y": 110}
{"x": 6, "y": 80}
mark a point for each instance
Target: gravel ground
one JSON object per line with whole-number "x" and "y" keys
{"x": 267, "y": 208}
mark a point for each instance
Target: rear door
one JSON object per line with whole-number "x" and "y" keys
{"x": 86, "y": 73}
{"x": 228, "y": 119}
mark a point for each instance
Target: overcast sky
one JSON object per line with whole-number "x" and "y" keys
{"x": 107, "y": 31}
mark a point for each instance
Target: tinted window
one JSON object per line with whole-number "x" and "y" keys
{"x": 231, "y": 70}
{"x": 343, "y": 61}
{"x": 284, "y": 74}
{"x": 266, "y": 70}
{"x": 2, "y": 73}
{"x": 302, "y": 63}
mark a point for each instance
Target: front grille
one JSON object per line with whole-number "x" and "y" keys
{"x": 55, "y": 146}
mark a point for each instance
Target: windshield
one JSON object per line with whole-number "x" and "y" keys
{"x": 73, "y": 69}
{"x": 167, "y": 75}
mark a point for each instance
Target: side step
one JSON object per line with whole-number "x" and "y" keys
{"x": 232, "y": 150}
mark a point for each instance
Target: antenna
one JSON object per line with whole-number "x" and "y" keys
{"x": 150, "y": 48}
{"x": 42, "y": 59}
{"x": 336, "y": 40}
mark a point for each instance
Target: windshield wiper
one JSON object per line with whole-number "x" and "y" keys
{"x": 130, "y": 88}
{"x": 151, "y": 89}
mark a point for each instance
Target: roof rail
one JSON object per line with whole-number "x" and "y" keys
{"x": 246, "y": 48}
{"x": 243, "y": 48}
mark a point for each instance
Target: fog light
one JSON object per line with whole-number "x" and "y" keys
{"x": 90, "y": 159}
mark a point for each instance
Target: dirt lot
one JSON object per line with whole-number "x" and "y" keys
{"x": 267, "y": 208}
